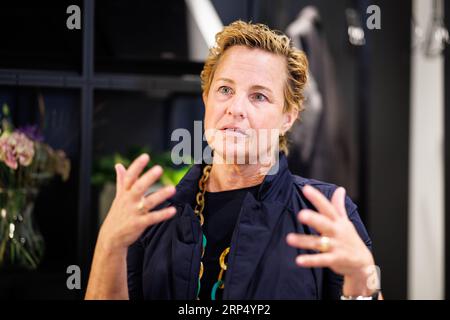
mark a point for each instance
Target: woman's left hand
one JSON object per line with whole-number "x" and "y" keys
{"x": 340, "y": 246}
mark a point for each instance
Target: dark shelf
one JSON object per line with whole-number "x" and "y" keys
{"x": 168, "y": 84}
{"x": 59, "y": 79}
{"x": 40, "y": 78}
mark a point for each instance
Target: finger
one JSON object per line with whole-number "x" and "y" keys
{"x": 303, "y": 241}
{"x": 322, "y": 204}
{"x": 338, "y": 201}
{"x": 146, "y": 180}
{"x": 319, "y": 222}
{"x": 135, "y": 170}
{"x": 120, "y": 174}
{"x": 158, "y": 216}
{"x": 320, "y": 260}
{"x": 159, "y": 197}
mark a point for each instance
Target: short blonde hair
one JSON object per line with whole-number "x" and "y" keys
{"x": 260, "y": 36}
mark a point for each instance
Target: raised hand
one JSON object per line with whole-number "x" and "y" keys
{"x": 339, "y": 247}
{"x": 130, "y": 212}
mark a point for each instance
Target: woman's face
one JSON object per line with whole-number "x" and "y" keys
{"x": 244, "y": 106}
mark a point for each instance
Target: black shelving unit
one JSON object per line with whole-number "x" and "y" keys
{"x": 173, "y": 81}
{"x": 386, "y": 210}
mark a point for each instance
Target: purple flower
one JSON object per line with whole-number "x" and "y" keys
{"x": 32, "y": 132}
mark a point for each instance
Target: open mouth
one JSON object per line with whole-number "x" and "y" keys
{"x": 234, "y": 132}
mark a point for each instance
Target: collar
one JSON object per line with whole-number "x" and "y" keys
{"x": 272, "y": 188}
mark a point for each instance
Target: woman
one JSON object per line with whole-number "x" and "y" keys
{"x": 236, "y": 229}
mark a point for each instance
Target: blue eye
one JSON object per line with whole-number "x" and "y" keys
{"x": 260, "y": 97}
{"x": 225, "y": 90}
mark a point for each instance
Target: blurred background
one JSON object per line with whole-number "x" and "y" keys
{"x": 87, "y": 96}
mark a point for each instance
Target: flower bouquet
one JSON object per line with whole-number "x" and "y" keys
{"x": 26, "y": 163}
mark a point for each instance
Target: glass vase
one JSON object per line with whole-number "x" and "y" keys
{"x": 21, "y": 243}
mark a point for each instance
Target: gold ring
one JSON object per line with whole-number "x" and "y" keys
{"x": 140, "y": 206}
{"x": 324, "y": 245}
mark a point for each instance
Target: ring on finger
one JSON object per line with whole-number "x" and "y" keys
{"x": 324, "y": 244}
{"x": 141, "y": 206}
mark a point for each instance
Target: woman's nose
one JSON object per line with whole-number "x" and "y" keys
{"x": 236, "y": 107}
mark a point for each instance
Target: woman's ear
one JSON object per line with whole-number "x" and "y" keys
{"x": 288, "y": 120}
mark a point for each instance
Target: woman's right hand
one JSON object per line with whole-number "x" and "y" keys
{"x": 130, "y": 213}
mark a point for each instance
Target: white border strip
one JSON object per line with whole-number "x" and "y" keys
{"x": 426, "y": 230}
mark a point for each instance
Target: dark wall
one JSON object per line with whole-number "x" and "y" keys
{"x": 388, "y": 144}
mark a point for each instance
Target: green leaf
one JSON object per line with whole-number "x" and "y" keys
{"x": 5, "y": 110}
